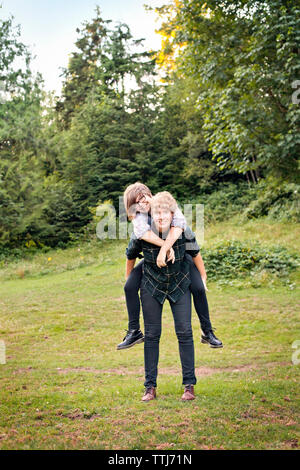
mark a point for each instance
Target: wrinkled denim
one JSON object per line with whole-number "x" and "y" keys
{"x": 152, "y": 312}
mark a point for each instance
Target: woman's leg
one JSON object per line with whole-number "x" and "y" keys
{"x": 199, "y": 297}
{"x": 152, "y": 312}
{"x": 182, "y": 318}
{"x": 131, "y": 289}
{"x": 201, "y": 306}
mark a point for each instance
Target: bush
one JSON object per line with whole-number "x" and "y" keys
{"x": 268, "y": 198}
{"x": 276, "y": 202}
{"x": 233, "y": 258}
{"x": 226, "y": 202}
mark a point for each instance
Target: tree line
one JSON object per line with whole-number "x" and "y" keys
{"x": 212, "y": 106}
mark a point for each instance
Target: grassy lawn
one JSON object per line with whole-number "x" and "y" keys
{"x": 65, "y": 386}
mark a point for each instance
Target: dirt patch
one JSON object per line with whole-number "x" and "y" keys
{"x": 120, "y": 299}
{"x": 165, "y": 446}
{"x": 23, "y": 370}
{"x": 293, "y": 443}
{"x": 78, "y": 414}
{"x": 200, "y": 371}
{"x": 78, "y": 369}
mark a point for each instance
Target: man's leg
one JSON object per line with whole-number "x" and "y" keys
{"x": 152, "y": 312}
{"x": 182, "y": 318}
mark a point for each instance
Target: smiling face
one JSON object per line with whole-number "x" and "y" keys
{"x": 163, "y": 207}
{"x": 137, "y": 197}
{"x": 162, "y": 217}
{"x": 143, "y": 203}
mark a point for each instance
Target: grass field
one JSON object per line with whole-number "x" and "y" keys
{"x": 65, "y": 386}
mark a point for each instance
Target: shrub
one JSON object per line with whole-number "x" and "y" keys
{"x": 276, "y": 202}
{"x": 268, "y": 199}
{"x": 228, "y": 201}
{"x": 233, "y": 258}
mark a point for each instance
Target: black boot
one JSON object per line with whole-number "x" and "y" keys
{"x": 211, "y": 339}
{"x": 132, "y": 337}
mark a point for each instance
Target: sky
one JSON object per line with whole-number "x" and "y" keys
{"x": 48, "y": 27}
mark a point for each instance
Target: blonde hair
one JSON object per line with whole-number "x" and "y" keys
{"x": 164, "y": 200}
{"x": 131, "y": 194}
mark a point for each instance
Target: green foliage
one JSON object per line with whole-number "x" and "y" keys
{"x": 13, "y": 79}
{"x": 269, "y": 198}
{"x": 104, "y": 60}
{"x": 101, "y": 152}
{"x": 280, "y": 202}
{"x": 110, "y": 138}
{"x": 21, "y": 170}
{"x": 232, "y": 259}
{"x": 62, "y": 213}
{"x": 228, "y": 200}
{"x": 36, "y": 207}
{"x": 212, "y": 125}
{"x": 242, "y": 58}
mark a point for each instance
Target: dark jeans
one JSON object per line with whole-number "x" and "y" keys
{"x": 152, "y": 311}
{"x": 133, "y": 285}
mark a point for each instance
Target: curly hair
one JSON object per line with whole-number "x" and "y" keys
{"x": 164, "y": 200}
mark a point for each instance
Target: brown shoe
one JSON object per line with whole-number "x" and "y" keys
{"x": 188, "y": 393}
{"x": 150, "y": 394}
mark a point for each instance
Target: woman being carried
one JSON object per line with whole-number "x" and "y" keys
{"x": 137, "y": 198}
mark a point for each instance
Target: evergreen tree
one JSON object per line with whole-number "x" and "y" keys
{"x": 20, "y": 125}
{"x": 103, "y": 63}
{"x": 109, "y": 120}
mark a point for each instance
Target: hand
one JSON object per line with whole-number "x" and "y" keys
{"x": 171, "y": 255}
{"x": 204, "y": 282}
{"x": 161, "y": 258}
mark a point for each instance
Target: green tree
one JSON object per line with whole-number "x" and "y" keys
{"x": 109, "y": 121}
{"x": 20, "y": 124}
{"x": 104, "y": 60}
{"x": 243, "y": 57}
